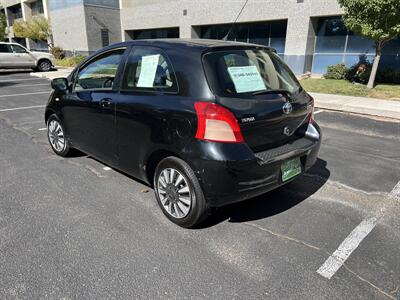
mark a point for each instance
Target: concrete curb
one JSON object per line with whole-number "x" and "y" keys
{"x": 358, "y": 105}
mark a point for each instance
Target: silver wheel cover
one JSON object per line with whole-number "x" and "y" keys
{"x": 56, "y": 136}
{"x": 174, "y": 193}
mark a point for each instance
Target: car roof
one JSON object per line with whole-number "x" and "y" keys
{"x": 188, "y": 44}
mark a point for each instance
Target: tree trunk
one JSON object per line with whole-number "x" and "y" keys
{"x": 371, "y": 82}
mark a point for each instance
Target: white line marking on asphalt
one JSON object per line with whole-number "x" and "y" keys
{"x": 25, "y": 94}
{"x": 19, "y": 108}
{"x": 106, "y": 168}
{"x": 42, "y": 129}
{"x": 396, "y": 191}
{"x": 337, "y": 259}
{"x": 317, "y": 112}
{"x": 25, "y": 79}
{"x": 26, "y": 85}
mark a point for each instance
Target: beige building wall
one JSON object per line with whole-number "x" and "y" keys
{"x": 148, "y": 14}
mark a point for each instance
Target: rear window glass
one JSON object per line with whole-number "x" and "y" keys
{"x": 241, "y": 73}
{"x": 147, "y": 70}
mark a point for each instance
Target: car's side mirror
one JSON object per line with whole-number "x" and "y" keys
{"x": 60, "y": 84}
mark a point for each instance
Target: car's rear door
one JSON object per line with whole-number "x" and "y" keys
{"x": 261, "y": 91}
{"x": 88, "y": 111}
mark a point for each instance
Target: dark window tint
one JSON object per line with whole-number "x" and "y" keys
{"x": 105, "y": 39}
{"x": 240, "y": 73}
{"x": 271, "y": 33}
{"x": 149, "y": 69}
{"x": 37, "y": 8}
{"x": 161, "y": 33}
{"x": 100, "y": 73}
{"x": 4, "y": 48}
{"x": 16, "y": 11}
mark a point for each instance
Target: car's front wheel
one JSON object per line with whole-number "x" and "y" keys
{"x": 178, "y": 192}
{"x": 44, "y": 65}
{"x": 56, "y": 136}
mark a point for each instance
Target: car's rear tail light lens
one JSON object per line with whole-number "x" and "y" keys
{"x": 217, "y": 124}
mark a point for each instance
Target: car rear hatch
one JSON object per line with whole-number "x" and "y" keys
{"x": 260, "y": 90}
{"x": 266, "y": 122}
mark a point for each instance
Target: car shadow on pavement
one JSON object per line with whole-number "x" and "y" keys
{"x": 274, "y": 202}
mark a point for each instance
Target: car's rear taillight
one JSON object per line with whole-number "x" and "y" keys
{"x": 217, "y": 124}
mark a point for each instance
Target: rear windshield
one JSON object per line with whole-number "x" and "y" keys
{"x": 243, "y": 73}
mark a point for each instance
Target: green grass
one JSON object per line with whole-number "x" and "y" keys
{"x": 343, "y": 87}
{"x": 70, "y": 61}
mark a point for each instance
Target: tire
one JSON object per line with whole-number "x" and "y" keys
{"x": 56, "y": 136}
{"x": 180, "y": 199}
{"x": 44, "y": 65}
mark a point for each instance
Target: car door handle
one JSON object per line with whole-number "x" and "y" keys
{"x": 105, "y": 103}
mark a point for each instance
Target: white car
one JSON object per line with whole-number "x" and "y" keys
{"x": 15, "y": 56}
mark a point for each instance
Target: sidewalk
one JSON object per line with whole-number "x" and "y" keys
{"x": 358, "y": 105}
{"x": 60, "y": 72}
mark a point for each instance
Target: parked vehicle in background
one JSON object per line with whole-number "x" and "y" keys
{"x": 206, "y": 122}
{"x": 15, "y": 56}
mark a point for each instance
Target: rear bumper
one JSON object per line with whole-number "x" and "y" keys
{"x": 249, "y": 174}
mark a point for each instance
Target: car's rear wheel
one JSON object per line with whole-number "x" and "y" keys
{"x": 56, "y": 135}
{"x": 178, "y": 192}
{"x": 44, "y": 65}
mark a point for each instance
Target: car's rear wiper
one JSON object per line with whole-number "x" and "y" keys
{"x": 278, "y": 91}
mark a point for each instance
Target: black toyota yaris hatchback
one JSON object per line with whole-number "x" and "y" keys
{"x": 205, "y": 122}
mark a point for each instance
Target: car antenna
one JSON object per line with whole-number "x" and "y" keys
{"x": 225, "y": 38}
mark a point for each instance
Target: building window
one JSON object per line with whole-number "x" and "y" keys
{"x": 161, "y": 33}
{"x": 272, "y": 34}
{"x": 105, "y": 38}
{"x": 37, "y": 8}
{"x": 16, "y": 12}
{"x": 335, "y": 44}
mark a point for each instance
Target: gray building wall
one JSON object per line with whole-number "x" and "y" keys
{"x": 77, "y": 24}
{"x": 69, "y": 27}
{"x": 300, "y": 37}
{"x": 98, "y": 18}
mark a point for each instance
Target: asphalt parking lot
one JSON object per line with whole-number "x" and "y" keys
{"x": 73, "y": 228}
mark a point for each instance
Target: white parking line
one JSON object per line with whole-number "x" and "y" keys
{"x": 19, "y": 108}
{"x": 25, "y": 79}
{"x": 26, "y": 85}
{"x": 337, "y": 259}
{"x": 396, "y": 191}
{"x": 317, "y": 112}
{"x": 25, "y": 94}
{"x": 42, "y": 129}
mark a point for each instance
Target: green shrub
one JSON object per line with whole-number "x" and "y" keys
{"x": 355, "y": 73}
{"x": 70, "y": 61}
{"x": 337, "y": 72}
{"x": 388, "y": 75}
{"x": 57, "y": 52}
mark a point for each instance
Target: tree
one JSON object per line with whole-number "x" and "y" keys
{"x": 37, "y": 29}
{"x": 378, "y": 20}
{"x": 3, "y": 26}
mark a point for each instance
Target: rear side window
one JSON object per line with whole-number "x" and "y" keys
{"x": 149, "y": 70}
{"x": 4, "y": 48}
{"x": 240, "y": 73}
{"x": 100, "y": 72}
